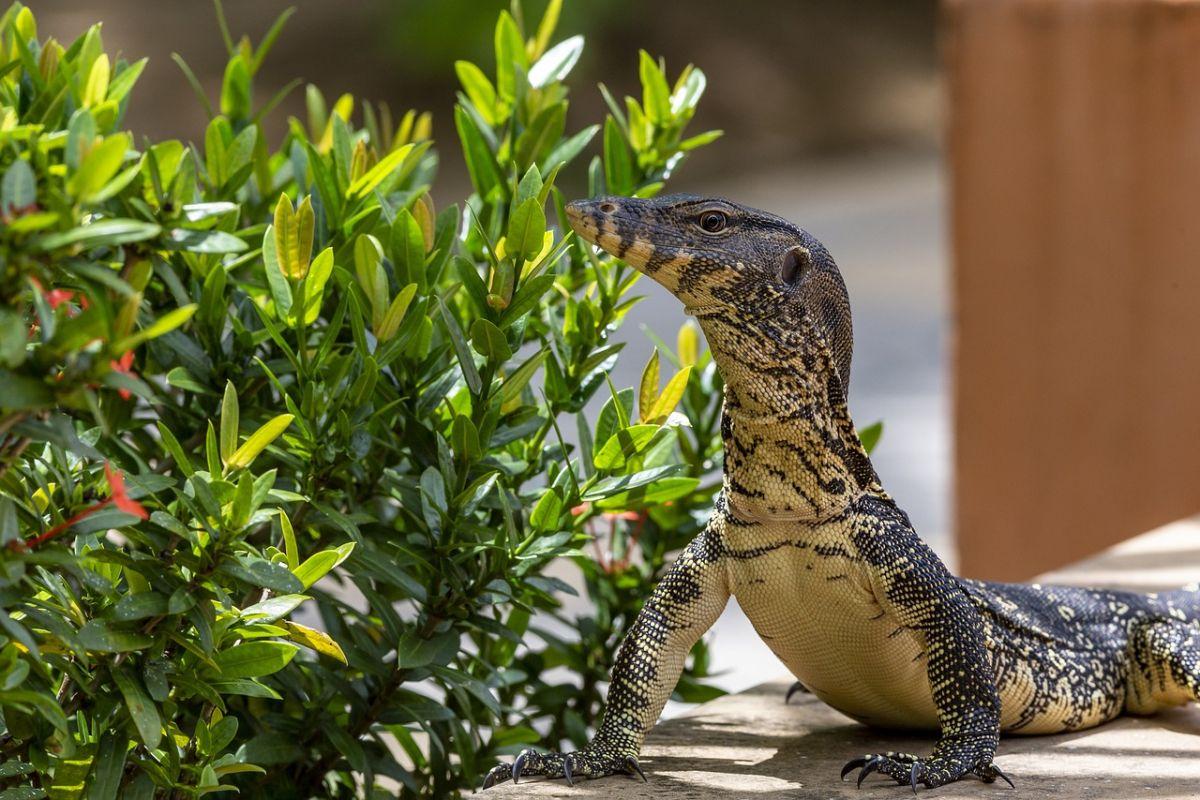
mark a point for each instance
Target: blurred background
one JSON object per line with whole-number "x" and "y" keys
{"x": 832, "y": 114}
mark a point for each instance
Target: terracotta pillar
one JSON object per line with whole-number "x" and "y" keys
{"x": 1074, "y": 140}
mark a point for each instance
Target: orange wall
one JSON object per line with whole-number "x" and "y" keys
{"x": 1074, "y": 137}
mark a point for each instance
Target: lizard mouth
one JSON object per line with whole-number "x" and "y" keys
{"x": 600, "y": 222}
{"x": 587, "y": 217}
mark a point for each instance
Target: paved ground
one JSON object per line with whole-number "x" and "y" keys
{"x": 750, "y": 745}
{"x": 882, "y": 219}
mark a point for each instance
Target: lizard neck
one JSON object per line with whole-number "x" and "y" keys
{"x": 791, "y": 449}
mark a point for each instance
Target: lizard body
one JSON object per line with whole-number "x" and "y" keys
{"x": 824, "y": 563}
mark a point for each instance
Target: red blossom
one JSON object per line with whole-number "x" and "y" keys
{"x": 123, "y": 365}
{"x": 57, "y": 297}
{"x": 118, "y": 496}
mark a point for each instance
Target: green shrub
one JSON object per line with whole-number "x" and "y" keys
{"x": 289, "y": 458}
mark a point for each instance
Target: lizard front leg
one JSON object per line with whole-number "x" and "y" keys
{"x": 683, "y": 606}
{"x": 914, "y": 586}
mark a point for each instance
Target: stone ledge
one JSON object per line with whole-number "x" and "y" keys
{"x": 751, "y": 745}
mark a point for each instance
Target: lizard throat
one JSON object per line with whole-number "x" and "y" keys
{"x": 791, "y": 450}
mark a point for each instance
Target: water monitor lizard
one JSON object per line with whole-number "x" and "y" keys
{"x": 821, "y": 559}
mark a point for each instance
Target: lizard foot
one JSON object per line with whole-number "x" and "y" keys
{"x": 909, "y": 770}
{"x": 586, "y": 763}
{"x": 793, "y": 689}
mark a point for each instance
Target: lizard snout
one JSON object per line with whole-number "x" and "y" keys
{"x": 587, "y": 217}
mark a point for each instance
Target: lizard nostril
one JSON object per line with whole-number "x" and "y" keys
{"x": 608, "y": 208}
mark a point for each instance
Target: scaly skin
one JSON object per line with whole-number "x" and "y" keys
{"x": 824, "y": 563}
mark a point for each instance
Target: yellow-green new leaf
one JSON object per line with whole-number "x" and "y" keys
{"x": 314, "y": 639}
{"x": 671, "y": 395}
{"x": 294, "y": 236}
{"x": 687, "y": 344}
{"x": 99, "y": 166}
{"x": 258, "y": 441}
{"x": 648, "y": 388}
{"x": 313, "y": 287}
{"x": 229, "y": 421}
{"x": 395, "y": 314}
{"x": 96, "y": 88}
{"x": 164, "y": 324}
{"x": 378, "y": 173}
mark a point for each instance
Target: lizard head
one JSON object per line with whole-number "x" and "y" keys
{"x": 726, "y": 262}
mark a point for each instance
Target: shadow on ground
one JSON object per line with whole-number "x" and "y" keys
{"x": 751, "y": 745}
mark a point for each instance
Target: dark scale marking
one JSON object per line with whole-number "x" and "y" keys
{"x": 811, "y": 541}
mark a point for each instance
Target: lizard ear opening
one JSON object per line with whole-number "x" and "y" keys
{"x": 796, "y": 262}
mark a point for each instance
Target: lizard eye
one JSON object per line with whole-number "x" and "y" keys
{"x": 795, "y": 262}
{"x": 713, "y": 221}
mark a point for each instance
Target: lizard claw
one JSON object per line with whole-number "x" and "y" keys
{"x": 567, "y": 771}
{"x": 989, "y": 774}
{"x": 518, "y": 765}
{"x": 632, "y": 764}
{"x": 852, "y": 765}
{"x": 793, "y": 689}
{"x": 871, "y": 765}
{"x": 912, "y": 776}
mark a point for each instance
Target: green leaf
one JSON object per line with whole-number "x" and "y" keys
{"x": 281, "y": 289}
{"x": 464, "y": 438}
{"x": 21, "y": 392}
{"x": 273, "y": 608}
{"x": 612, "y": 418}
{"x": 657, "y": 493}
{"x": 319, "y": 564}
{"x": 377, "y": 174}
{"x": 536, "y": 141}
{"x": 870, "y": 435}
{"x": 465, "y": 360}
{"x": 258, "y": 441}
{"x": 229, "y": 422}
{"x": 479, "y": 89}
{"x": 545, "y": 514}
{"x": 408, "y": 249}
{"x": 316, "y": 640}
{"x": 108, "y": 232}
{"x": 312, "y": 288}
{"x": 648, "y": 388}
{"x": 18, "y": 190}
{"x": 164, "y": 324}
{"x": 489, "y": 341}
{"x": 510, "y": 54}
{"x": 203, "y": 241}
{"x": 98, "y": 167}
{"x": 624, "y": 445}
{"x": 481, "y": 162}
{"x": 671, "y": 395}
{"x": 139, "y": 606}
{"x": 610, "y": 486}
{"x": 262, "y": 573}
{"x": 254, "y": 659}
{"x": 656, "y": 97}
{"x": 99, "y": 637}
{"x": 565, "y": 151}
{"x": 519, "y": 378}
{"x": 141, "y": 708}
{"x": 557, "y": 63}
{"x": 618, "y": 164}
{"x": 395, "y": 313}
{"x": 413, "y": 651}
{"x": 526, "y": 298}
{"x": 546, "y": 27}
